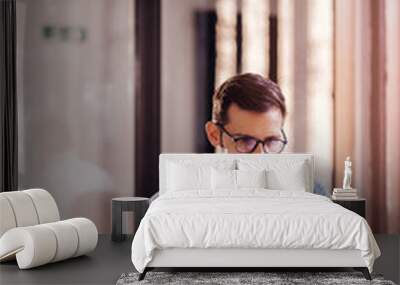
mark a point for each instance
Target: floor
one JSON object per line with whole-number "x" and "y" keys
{"x": 389, "y": 262}
{"x": 110, "y": 260}
{"x": 103, "y": 266}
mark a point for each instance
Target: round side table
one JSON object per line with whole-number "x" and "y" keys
{"x": 137, "y": 205}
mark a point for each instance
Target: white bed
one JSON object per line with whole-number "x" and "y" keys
{"x": 203, "y": 220}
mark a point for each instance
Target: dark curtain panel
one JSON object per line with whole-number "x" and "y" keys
{"x": 205, "y": 73}
{"x": 147, "y": 95}
{"x": 377, "y": 208}
{"x": 8, "y": 99}
{"x": 273, "y": 48}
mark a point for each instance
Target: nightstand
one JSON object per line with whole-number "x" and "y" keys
{"x": 137, "y": 205}
{"x": 356, "y": 205}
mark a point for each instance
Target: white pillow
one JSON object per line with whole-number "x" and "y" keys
{"x": 293, "y": 179}
{"x": 224, "y": 179}
{"x": 188, "y": 177}
{"x": 251, "y": 178}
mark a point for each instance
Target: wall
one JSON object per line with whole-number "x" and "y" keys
{"x": 178, "y": 80}
{"x": 76, "y": 103}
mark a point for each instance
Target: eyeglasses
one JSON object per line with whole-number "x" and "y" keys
{"x": 248, "y": 144}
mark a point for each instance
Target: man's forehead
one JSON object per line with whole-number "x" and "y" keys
{"x": 244, "y": 119}
{"x": 259, "y": 125}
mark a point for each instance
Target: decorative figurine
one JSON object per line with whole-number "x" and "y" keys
{"x": 347, "y": 174}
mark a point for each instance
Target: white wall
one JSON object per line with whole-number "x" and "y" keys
{"x": 77, "y": 104}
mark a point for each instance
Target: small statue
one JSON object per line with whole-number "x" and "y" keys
{"x": 347, "y": 174}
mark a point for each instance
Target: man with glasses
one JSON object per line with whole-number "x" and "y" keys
{"x": 248, "y": 115}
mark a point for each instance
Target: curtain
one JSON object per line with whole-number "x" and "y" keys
{"x": 339, "y": 68}
{"x": 305, "y": 74}
{"x": 226, "y": 49}
{"x": 8, "y": 100}
{"x": 367, "y": 105}
{"x": 392, "y": 90}
{"x": 338, "y": 65}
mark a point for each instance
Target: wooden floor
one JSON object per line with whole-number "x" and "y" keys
{"x": 110, "y": 260}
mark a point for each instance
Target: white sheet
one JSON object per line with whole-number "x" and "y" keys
{"x": 251, "y": 218}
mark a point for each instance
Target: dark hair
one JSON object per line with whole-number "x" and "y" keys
{"x": 251, "y": 92}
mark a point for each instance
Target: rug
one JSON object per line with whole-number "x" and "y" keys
{"x": 225, "y": 278}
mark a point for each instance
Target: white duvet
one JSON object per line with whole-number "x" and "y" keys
{"x": 251, "y": 218}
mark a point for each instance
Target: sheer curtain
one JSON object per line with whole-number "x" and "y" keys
{"x": 392, "y": 90}
{"x": 368, "y": 103}
{"x": 339, "y": 68}
{"x": 305, "y": 74}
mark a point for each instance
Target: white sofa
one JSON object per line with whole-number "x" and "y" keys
{"x": 31, "y": 231}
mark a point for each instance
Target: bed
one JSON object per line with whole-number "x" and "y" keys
{"x": 247, "y": 210}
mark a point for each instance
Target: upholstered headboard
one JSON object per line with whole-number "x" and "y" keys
{"x": 233, "y": 161}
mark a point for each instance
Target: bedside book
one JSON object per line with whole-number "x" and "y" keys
{"x": 344, "y": 198}
{"x": 344, "y": 194}
{"x": 341, "y": 190}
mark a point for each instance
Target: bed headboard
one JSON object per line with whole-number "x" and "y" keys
{"x": 217, "y": 159}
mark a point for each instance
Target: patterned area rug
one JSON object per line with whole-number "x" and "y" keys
{"x": 225, "y": 278}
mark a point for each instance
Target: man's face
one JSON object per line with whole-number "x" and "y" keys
{"x": 262, "y": 126}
